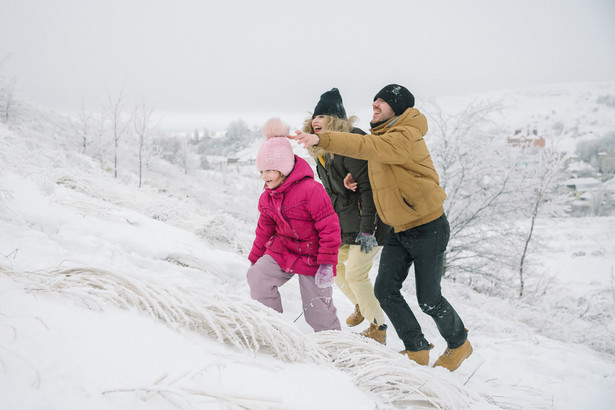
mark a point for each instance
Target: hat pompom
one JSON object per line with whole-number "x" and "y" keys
{"x": 275, "y": 128}
{"x": 275, "y": 152}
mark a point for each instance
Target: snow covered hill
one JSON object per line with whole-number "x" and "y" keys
{"x": 564, "y": 114}
{"x": 115, "y": 297}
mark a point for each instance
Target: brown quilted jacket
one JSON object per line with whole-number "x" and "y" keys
{"x": 405, "y": 184}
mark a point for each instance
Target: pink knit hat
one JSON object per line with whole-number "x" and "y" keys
{"x": 275, "y": 152}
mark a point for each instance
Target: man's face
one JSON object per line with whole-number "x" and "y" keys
{"x": 382, "y": 111}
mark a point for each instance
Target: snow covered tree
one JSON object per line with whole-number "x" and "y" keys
{"x": 477, "y": 172}
{"x": 142, "y": 122}
{"x": 492, "y": 188}
{"x": 177, "y": 150}
{"x": 83, "y": 126}
{"x": 236, "y": 131}
{"x": 238, "y": 135}
{"x": 588, "y": 150}
{"x": 7, "y": 97}
{"x": 169, "y": 147}
{"x": 196, "y": 136}
{"x": 7, "y": 92}
{"x": 541, "y": 179}
{"x": 98, "y": 145}
{"x": 118, "y": 123}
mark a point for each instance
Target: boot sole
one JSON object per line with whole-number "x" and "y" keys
{"x": 353, "y": 324}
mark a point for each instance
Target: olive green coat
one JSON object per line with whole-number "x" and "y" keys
{"x": 356, "y": 210}
{"x": 405, "y": 185}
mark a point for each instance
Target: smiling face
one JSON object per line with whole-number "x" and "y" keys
{"x": 382, "y": 111}
{"x": 272, "y": 178}
{"x": 319, "y": 123}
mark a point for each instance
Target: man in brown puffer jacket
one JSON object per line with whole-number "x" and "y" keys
{"x": 408, "y": 196}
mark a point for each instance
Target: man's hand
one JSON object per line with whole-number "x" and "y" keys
{"x": 350, "y": 183}
{"x": 304, "y": 138}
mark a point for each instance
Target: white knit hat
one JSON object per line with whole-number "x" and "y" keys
{"x": 275, "y": 152}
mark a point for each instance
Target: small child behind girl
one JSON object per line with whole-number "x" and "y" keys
{"x": 297, "y": 234}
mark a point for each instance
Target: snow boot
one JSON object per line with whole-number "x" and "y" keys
{"x": 421, "y": 357}
{"x": 451, "y": 359}
{"x": 378, "y": 333}
{"x": 355, "y": 318}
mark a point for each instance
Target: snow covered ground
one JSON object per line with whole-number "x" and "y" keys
{"x": 114, "y": 297}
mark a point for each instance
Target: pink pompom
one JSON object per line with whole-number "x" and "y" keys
{"x": 275, "y": 152}
{"x": 275, "y": 128}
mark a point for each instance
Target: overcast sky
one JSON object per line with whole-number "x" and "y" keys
{"x": 238, "y": 57}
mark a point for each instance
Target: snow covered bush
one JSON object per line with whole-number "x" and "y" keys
{"x": 224, "y": 229}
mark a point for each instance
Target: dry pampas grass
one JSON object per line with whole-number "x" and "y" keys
{"x": 230, "y": 318}
{"x": 250, "y": 326}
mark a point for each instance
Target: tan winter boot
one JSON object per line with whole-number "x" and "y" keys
{"x": 421, "y": 357}
{"x": 378, "y": 333}
{"x": 452, "y": 358}
{"x": 355, "y": 318}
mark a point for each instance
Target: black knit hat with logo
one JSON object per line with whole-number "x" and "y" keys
{"x": 397, "y": 96}
{"x": 330, "y": 104}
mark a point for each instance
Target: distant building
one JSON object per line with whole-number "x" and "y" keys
{"x": 606, "y": 161}
{"x": 582, "y": 184}
{"x": 591, "y": 196}
{"x": 240, "y": 161}
{"x": 526, "y": 140}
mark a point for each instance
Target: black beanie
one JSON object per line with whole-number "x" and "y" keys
{"x": 397, "y": 96}
{"x": 330, "y": 104}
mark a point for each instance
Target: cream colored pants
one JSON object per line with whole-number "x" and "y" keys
{"x": 352, "y": 279}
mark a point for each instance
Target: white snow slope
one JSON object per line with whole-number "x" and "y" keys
{"x": 114, "y": 297}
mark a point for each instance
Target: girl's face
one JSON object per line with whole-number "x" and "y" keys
{"x": 272, "y": 178}
{"x": 319, "y": 123}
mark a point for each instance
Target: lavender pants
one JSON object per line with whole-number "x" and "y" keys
{"x": 264, "y": 278}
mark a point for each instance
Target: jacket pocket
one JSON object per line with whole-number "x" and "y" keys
{"x": 405, "y": 204}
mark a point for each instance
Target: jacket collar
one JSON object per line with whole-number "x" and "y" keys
{"x": 411, "y": 117}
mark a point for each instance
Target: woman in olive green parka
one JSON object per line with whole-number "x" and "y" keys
{"x": 361, "y": 229}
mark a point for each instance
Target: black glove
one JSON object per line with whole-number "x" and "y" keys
{"x": 368, "y": 242}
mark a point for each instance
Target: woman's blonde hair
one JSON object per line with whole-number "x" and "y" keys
{"x": 331, "y": 124}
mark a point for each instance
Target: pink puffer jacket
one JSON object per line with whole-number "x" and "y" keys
{"x": 297, "y": 226}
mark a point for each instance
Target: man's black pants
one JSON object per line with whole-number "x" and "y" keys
{"x": 424, "y": 246}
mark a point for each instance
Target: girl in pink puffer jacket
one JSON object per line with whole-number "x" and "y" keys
{"x": 297, "y": 233}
